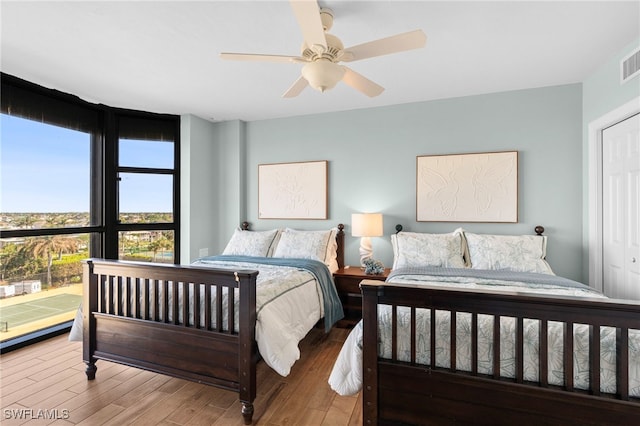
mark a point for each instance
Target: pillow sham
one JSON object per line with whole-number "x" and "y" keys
{"x": 251, "y": 243}
{"x": 317, "y": 245}
{"x": 520, "y": 253}
{"x": 415, "y": 249}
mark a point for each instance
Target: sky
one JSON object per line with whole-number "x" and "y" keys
{"x": 46, "y": 169}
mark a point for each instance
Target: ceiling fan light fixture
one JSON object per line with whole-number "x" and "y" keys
{"x": 322, "y": 74}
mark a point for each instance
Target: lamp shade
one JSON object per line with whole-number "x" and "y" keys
{"x": 366, "y": 225}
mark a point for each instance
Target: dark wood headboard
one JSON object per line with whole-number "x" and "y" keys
{"x": 539, "y": 230}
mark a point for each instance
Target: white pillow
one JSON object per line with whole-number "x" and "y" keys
{"x": 414, "y": 250}
{"x": 317, "y": 245}
{"x": 251, "y": 243}
{"x": 520, "y": 253}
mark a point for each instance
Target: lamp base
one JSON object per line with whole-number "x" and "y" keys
{"x": 366, "y": 250}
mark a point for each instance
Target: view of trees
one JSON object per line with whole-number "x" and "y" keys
{"x": 57, "y": 260}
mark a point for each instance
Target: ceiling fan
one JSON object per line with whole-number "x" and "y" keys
{"x": 322, "y": 52}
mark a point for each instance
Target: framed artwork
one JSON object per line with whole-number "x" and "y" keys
{"x": 292, "y": 190}
{"x": 480, "y": 187}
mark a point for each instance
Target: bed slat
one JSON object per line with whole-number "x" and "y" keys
{"x": 568, "y": 356}
{"x": 474, "y": 343}
{"x": 196, "y": 305}
{"x": 146, "y": 305}
{"x": 207, "y": 310}
{"x": 432, "y": 338}
{"x": 185, "y": 306}
{"x": 394, "y": 333}
{"x": 496, "y": 346}
{"x": 413, "y": 335}
{"x": 622, "y": 364}
{"x": 453, "y": 347}
{"x": 118, "y": 294}
{"x": 594, "y": 359}
{"x": 218, "y": 309}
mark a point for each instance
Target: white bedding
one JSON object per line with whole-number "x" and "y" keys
{"x": 346, "y": 376}
{"x": 289, "y": 303}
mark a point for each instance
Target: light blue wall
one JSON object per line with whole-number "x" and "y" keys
{"x": 212, "y": 185}
{"x": 602, "y": 93}
{"x": 196, "y": 150}
{"x": 372, "y": 155}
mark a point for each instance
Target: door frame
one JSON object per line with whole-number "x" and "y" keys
{"x": 595, "y": 129}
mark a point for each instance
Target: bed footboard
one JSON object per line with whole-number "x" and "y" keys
{"x": 404, "y": 391}
{"x": 181, "y": 321}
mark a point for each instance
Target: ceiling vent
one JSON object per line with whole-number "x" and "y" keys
{"x": 630, "y": 66}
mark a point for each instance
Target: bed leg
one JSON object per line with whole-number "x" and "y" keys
{"x": 91, "y": 370}
{"x": 247, "y": 412}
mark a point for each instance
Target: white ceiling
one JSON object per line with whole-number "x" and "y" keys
{"x": 162, "y": 56}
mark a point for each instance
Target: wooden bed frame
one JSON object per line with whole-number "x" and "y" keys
{"x": 141, "y": 334}
{"x": 396, "y": 392}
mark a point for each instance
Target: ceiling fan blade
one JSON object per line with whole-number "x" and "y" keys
{"x": 296, "y": 88}
{"x": 260, "y": 57}
{"x": 307, "y": 14}
{"x": 361, "y": 83}
{"x": 384, "y": 46}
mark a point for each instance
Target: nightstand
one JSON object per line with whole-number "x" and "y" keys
{"x": 347, "y": 281}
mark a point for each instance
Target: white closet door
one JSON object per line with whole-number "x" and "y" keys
{"x": 620, "y": 209}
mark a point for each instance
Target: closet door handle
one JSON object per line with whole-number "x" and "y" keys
{"x": 633, "y": 260}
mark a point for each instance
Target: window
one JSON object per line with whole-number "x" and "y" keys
{"x": 146, "y": 189}
{"x": 77, "y": 180}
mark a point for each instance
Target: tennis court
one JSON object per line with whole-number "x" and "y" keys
{"x": 34, "y": 310}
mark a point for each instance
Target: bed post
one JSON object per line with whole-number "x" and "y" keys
{"x": 89, "y": 305}
{"x": 340, "y": 241}
{"x": 247, "y": 350}
{"x": 369, "y": 352}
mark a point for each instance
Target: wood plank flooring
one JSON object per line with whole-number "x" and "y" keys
{"x": 47, "y": 380}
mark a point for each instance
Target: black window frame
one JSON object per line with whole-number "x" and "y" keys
{"x": 31, "y": 101}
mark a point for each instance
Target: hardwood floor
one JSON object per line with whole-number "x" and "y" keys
{"x": 47, "y": 380}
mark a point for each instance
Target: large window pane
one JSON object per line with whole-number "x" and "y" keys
{"x": 146, "y": 246}
{"x": 142, "y": 153}
{"x": 57, "y": 171}
{"x": 43, "y": 169}
{"x": 41, "y": 281}
{"x": 141, "y": 194}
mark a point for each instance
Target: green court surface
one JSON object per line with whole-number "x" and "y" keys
{"x": 22, "y": 313}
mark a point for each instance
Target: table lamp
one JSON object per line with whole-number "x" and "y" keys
{"x": 365, "y": 226}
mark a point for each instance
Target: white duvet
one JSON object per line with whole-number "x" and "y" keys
{"x": 288, "y": 304}
{"x": 346, "y": 376}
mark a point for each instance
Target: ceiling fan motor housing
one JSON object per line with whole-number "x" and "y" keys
{"x": 332, "y": 51}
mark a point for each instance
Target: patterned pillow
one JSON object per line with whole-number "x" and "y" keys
{"x": 521, "y": 253}
{"x": 317, "y": 245}
{"x": 414, "y": 250}
{"x": 251, "y": 243}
